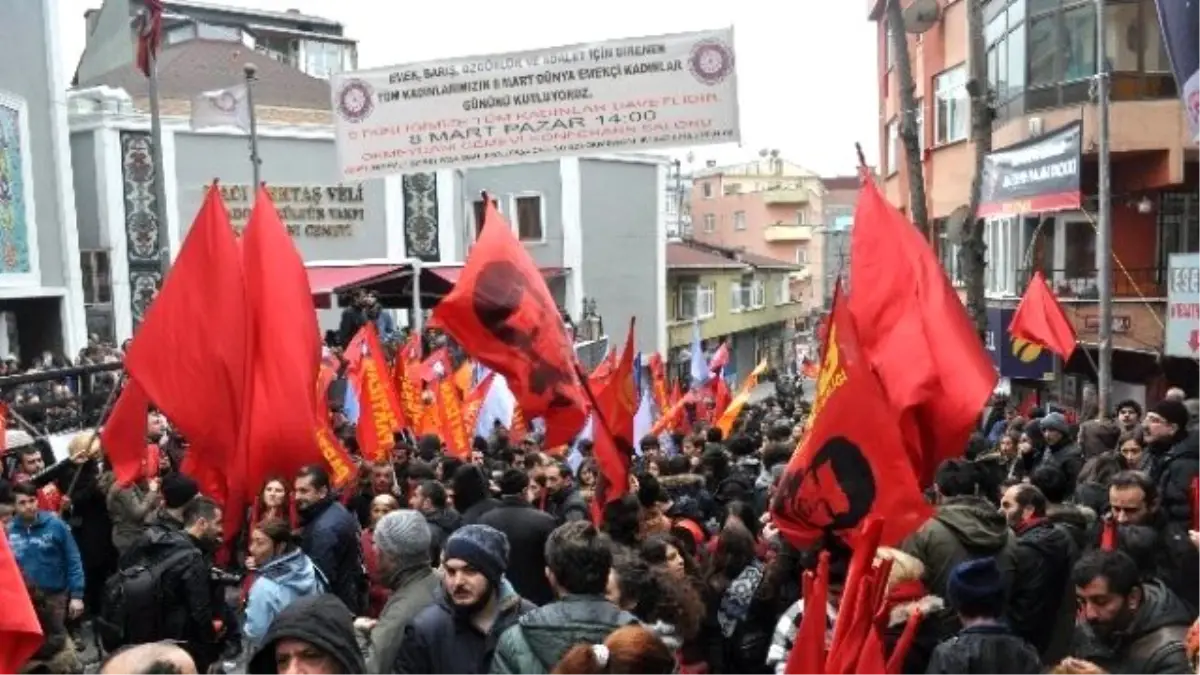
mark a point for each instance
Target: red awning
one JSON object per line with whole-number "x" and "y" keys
{"x": 451, "y": 274}
{"x": 324, "y": 280}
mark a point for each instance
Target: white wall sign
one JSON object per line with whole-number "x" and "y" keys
{"x": 1183, "y": 306}
{"x": 636, "y": 94}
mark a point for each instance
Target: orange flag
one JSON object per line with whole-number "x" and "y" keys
{"x": 341, "y": 465}
{"x": 447, "y": 397}
{"x": 913, "y": 329}
{"x": 612, "y": 442}
{"x": 1040, "y": 319}
{"x": 474, "y": 401}
{"x": 382, "y": 414}
{"x": 658, "y": 381}
{"x": 286, "y": 351}
{"x": 844, "y": 470}
{"x": 727, "y": 418}
{"x": 503, "y": 315}
{"x": 405, "y": 375}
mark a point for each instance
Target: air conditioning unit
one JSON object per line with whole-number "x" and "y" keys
{"x": 1035, "y": 126}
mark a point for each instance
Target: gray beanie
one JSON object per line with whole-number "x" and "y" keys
{"x": 404, "y": 535}
{"x": 1057, "y": 422}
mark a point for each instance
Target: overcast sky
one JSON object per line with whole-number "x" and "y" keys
{"x": 806, "y": 68}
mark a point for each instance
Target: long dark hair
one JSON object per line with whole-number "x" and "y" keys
{"x": 735, "y": 552}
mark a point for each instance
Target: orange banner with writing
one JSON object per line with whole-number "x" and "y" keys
{"x": 473, "y": 403}
{"x": 518, "y": 427}
{"x": 341, "y": 465}
{"x": 382, "y": 414}
{"x": 406, "y": 377}
{"x": 450, "y": 413}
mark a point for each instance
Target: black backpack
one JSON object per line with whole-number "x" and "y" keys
{"x": 133, "y": 602}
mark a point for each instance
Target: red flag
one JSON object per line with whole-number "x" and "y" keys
{"x": 341, "y": 466}
{"x": 1040, "y": 319}
{"x": 474, "y": 401}
{"x": 382, "y": 413}
{"x": 436, "y": 366}
{"x": 150, "y": 36}
{"x": 286, "y": 350}
{"x": 658, "y": 382}
{"x": 809, "y": 369}
{"x": 20, "y": 631}
{"x": 450, "y": 414}
{"x": 1108, "y": 535}
{"x": 844, "y": 470}
{"x": 405, "y": 373}
{"x": 808, "y": 649}
{"x": 124, "y": 433}
{"x": 720, "y": 358}
{"x": 721, "y": 398}
{"x": 503, "y": 315}
{"x": 916, "y": 333}
{"x": 612, "y": 428}
{"x": 189, "y": 355}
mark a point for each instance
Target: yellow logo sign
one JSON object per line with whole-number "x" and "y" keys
{"x": 1025, "y": 351}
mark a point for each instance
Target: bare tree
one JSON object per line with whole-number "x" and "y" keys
{"x": 907, "y": 89}
{"x": 972, "y": 252}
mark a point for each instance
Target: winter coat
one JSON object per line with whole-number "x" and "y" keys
{"x": 985, "y": 648}
{"x": 567, "y": 505}
{"x": 472, "y": 514}
{"x": 1175, "y": 470}
{"x": 1153, "y": 642}
{"x": 412, "y": 590}
{"x": 441, "y": 640}
{"x": 131, "y": 509}
{"x": 689, "y": 497}
{"x": 442, "y": 524}
{"x": 46, "y": 552}
{"x": 962, "y": 528}
{"x": 377, "y": 593}
{"x": 1041, "y": 605}
{"x": 542, "y": 636}
{"x": 1066, "y": 457}
{"x": 527, "y": 530}
{"x": 276, "y": 585}
{"x": 331, "y": 540}
{"x": 324, "y": 622}
{"x": 938, "y": 623}
{"x": 1076, "y": 520}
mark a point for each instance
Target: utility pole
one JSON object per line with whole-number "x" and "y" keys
{"x": 250, "y": 71}
{"x": 156, "y": 151}
{"x": 1104, "y": 221}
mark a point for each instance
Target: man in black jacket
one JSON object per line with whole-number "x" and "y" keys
{"x": 331, "y": 537}
{"x": 563, "y": 500}
{"x": 186, "y": 600}
{"x": 311, "y": 635}
{"x": 1175, "y": 459}
{"x": 430, "y": 500}
{"x": 527, "y": 530}
{"x": 1041, "y": 604}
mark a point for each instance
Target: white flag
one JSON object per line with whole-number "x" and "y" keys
{"x": 222, "y": 108}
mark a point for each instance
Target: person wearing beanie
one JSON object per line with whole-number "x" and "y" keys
{"x": 402, "y": 542}
{"x": 976, "y": 590}
{"x": 527, "y": 530}
{"x": 177, "y": 491}
{"x": 1174, "y": 460}
{"x": 1061, "y": 450}
{"x": 474, "y": 606}
{"x": 472, "y": 494}
{"x": 313, "y": 635}
{"x": 578, "y": 562}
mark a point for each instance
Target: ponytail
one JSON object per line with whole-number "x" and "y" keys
{"x": 581, "y": 660}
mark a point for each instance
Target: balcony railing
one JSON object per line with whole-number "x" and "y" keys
{"x": 788, "y": 232}
{"x": 782, "y": 196}
{"x": 1083, "y": 284}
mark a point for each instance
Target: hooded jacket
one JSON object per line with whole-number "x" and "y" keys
{"x": 413, "y": 588}
{"x": 322, "y": 621}
{"x": 278, "y": 584}
{"x": 1153, "y": 642}
{"x": 542, "y": 636}
{"x": 963, "y": 528}
{"x": 46, "y": 552}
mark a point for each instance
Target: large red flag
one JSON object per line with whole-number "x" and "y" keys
{"x": 1040, "y": 319}
{"x": 503, "y": 315}
{"x": 286, "y": 348}
{"x": 20, "y": 631}
{"x": 612, "y": 442}
{"x": 916, "y": 333}
{"x": 190, "y": 354}
{"x": 124, "y": 433}
{"x": 845, "y": 470}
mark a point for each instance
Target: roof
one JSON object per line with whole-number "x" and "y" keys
{"x": 692, "y": 255}
{"x": 289, "y": 15}
{"x": 841, "y": 182}
{"x": 188, "y": 68}
{"x": 322, "y": 280}
{"x": 762, "y": 166}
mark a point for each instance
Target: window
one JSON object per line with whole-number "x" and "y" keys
{"x": 529, "y": 220}
{"x": 733, "y": 188}
{"x": 97, "y": 280}
{"x": 947, "y": 251}
{"x": 1000, "y": 235}
{"x": 694, "y": 301}
{"x": 706, "y": 301}
{"x": 802, "y": 255}
{"x": 1079, "y": 261}
{"x": 801, "y": 216}
{"x": 707, "y": 188}
{"x": 783, "y": 291}
{"x": 1004, "y": 35}
{"x": 739, "y": 220}
{"x": 758, "y": 294}
{"x": 322, "y": 59}
{"x": 208, "y": 31}
{"x": 889, "y": 55}
{"x": 893, "y": 147}
{"x": 735, "y": 297}
{"x": 710, "y": 223}
{"x": 951, "y": 107}
{"x": 920, "y": 122}
{"x": 479, "y": 212}
{"x": 181, "y": 33}
{"x": 1062, "y": 45}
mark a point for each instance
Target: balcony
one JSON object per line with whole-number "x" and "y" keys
{"x": 1080, "y": 285}
{"x": 788, "y": 232}
{"x": 785, "y": 196}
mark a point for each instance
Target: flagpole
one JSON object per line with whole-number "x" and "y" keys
{"x": 156, "y": 150}
{"x": 255, "y": 161}
{"x": 1104, "y": 225}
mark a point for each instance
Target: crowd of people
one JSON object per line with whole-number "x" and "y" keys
{"x": 1055, "y": 545}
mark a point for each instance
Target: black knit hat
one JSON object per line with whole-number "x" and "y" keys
{"x": 977, "y": 586}
{"x": 178, "y": 490}
{"x": 1174, "y": 412}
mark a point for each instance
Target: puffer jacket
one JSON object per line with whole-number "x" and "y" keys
{"x": 542, "y": 636}
{"x": 276, "y": 585}
{"x": 1041, "y": 606}
{"x": 1153, "y": 642}
{"x": 443, "y": 640}
{"x": 962, "y": 528}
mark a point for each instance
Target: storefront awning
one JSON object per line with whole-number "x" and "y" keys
{"x": 393, "y": 286}
{"x": 324, "y": 281}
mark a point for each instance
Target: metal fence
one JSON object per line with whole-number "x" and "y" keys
{"x": 63, "y": 399}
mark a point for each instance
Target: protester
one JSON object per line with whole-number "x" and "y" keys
{"x": 331, "y": 537}
{"x": 527, "y": 530}
{"x": 313, "y": 635}
{"x": 46, "y": 552}
{"x": 632, "y": 649}
{"x": 377, "y": 596}
{"x": 283, "y": 575}
{"x": 402, "y": 555}
{"x": 153, "y": 657}
{"x": 430, "y": 499}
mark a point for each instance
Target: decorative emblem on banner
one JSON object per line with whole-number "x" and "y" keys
{"x": 711, "y": 61}
{"x": 355, "y": 101}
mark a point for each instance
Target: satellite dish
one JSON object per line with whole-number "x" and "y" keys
{"x": 956, "y": 225}
{"x": 920, "y": 16}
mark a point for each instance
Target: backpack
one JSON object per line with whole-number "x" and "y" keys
{"x": 133, "y": 602}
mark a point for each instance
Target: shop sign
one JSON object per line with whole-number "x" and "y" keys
{"x": 1183, "y": 306}
{"x": 317, "y": 211}
{"x": 1013, "y": 357}
{"x": 637, "y": 94}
